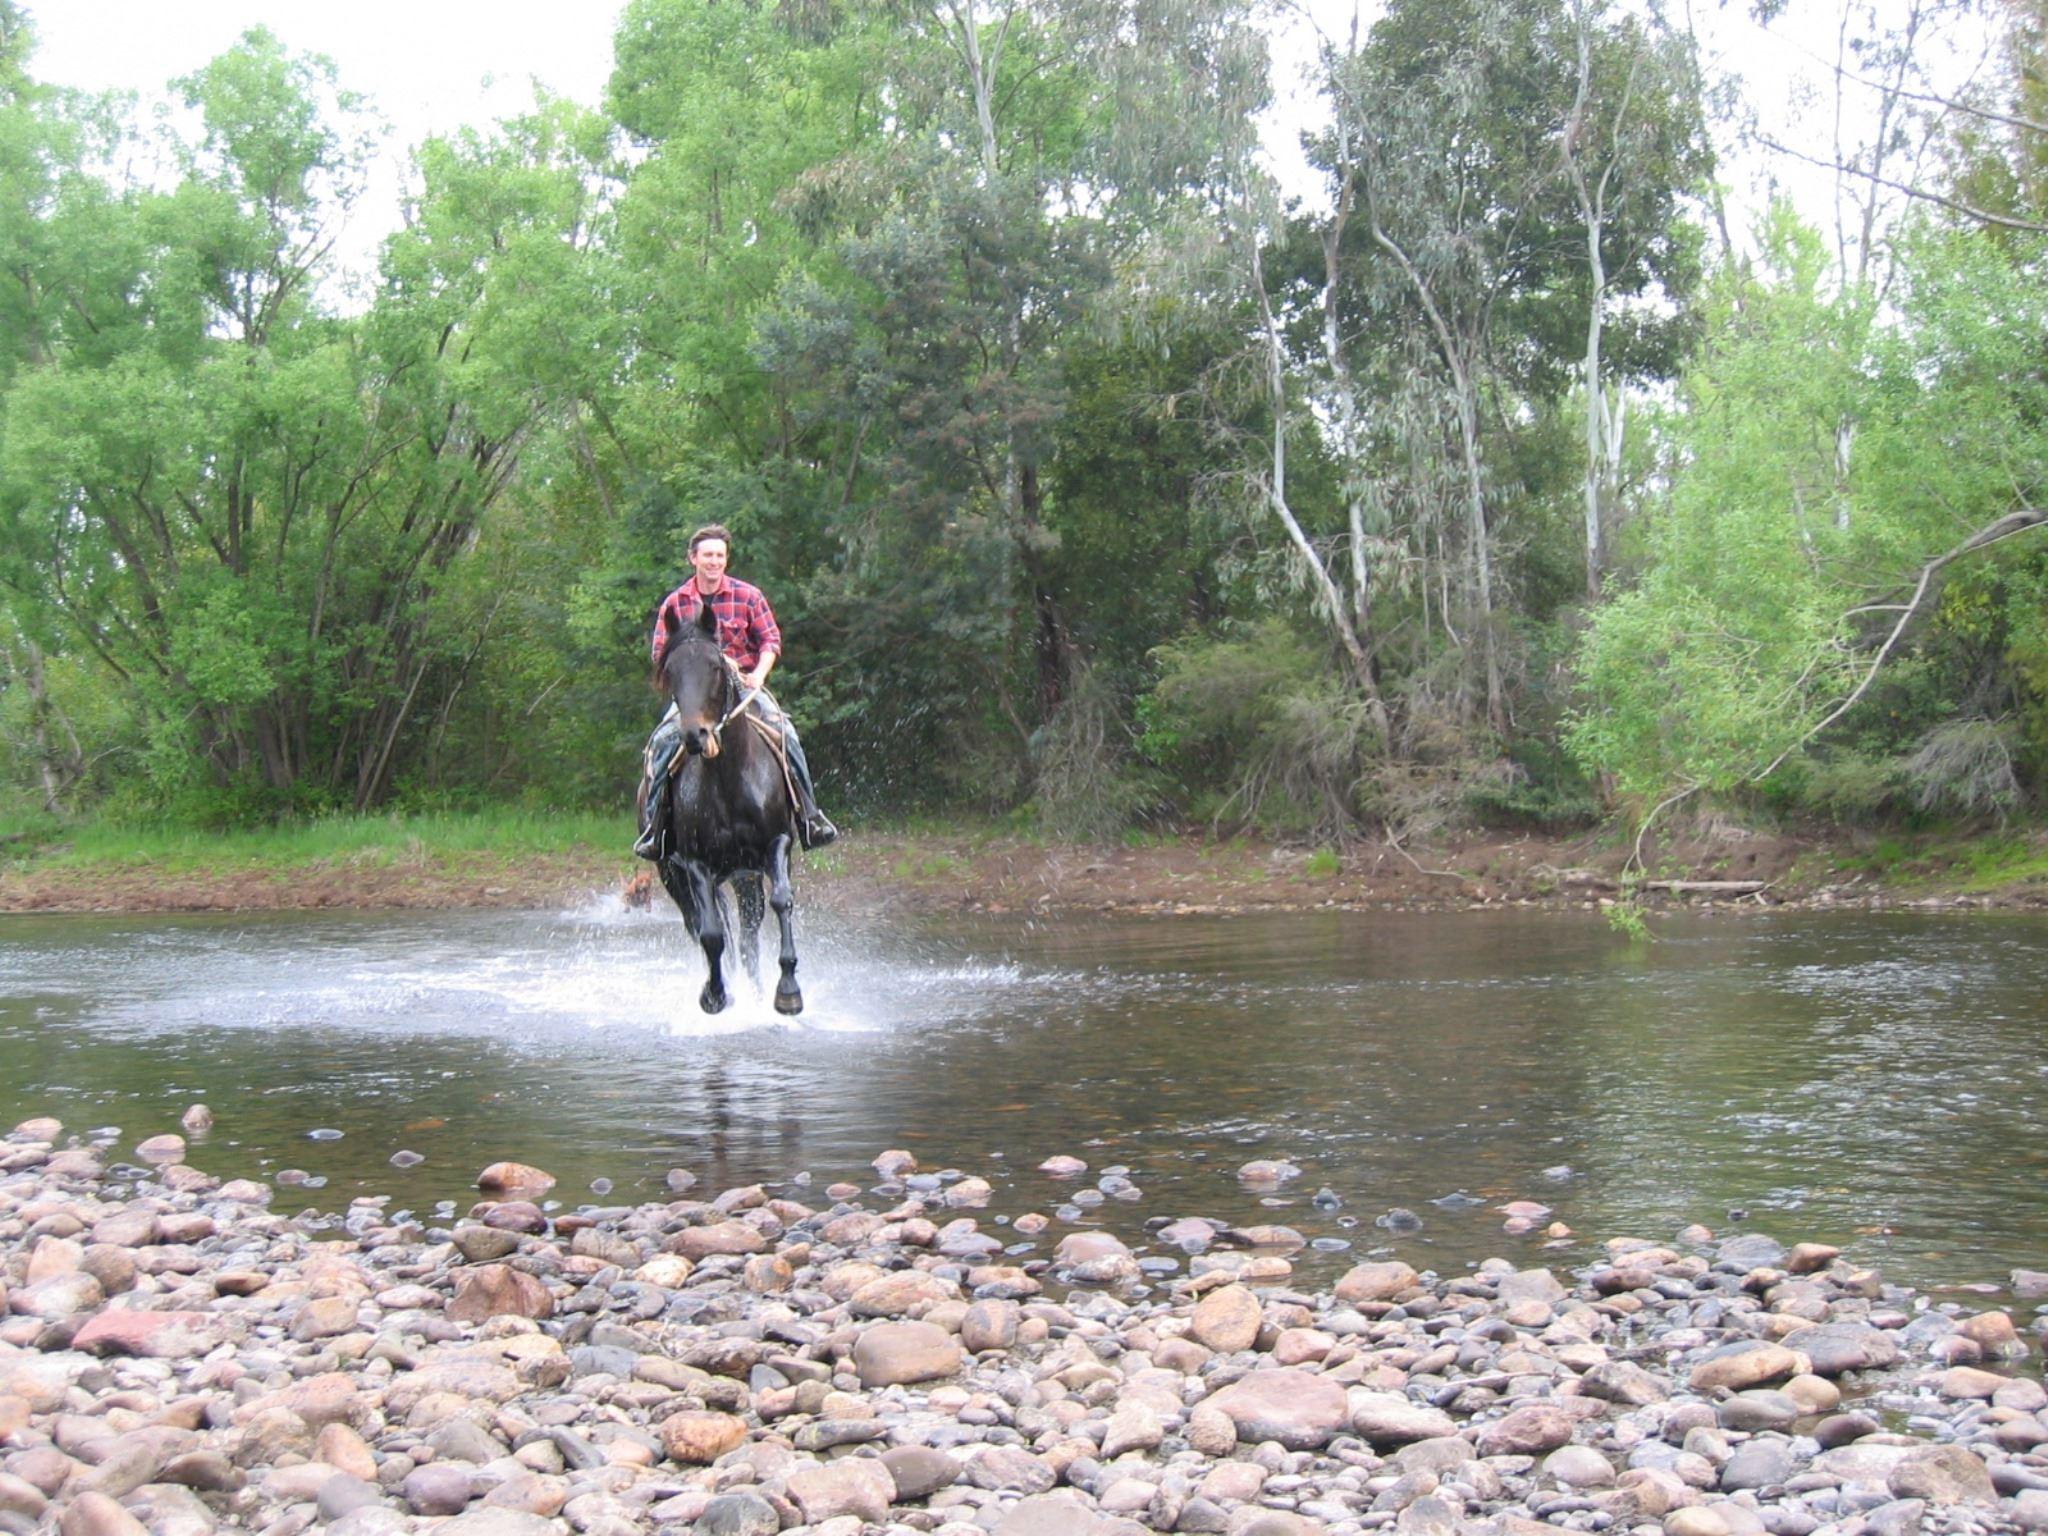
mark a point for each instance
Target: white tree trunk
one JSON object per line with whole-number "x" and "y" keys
{"x": 1329, "y": 598}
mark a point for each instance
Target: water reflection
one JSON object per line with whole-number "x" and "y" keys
{"x": 1863, "y": 1079}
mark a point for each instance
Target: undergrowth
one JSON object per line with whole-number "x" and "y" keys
{"x": 361, "y": 841}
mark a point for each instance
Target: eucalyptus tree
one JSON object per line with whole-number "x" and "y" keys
{"x": 1898, "y": 81}
{"x": 1507, "y": 180}
{"x": 1631, "y": 145}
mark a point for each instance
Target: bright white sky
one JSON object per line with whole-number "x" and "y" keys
{"x": 434, "y": 65}
{"x": 429, "y": 66}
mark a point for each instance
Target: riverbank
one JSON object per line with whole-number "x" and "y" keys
{"x": 179, "y": 1357}
{"x": 486, "y": 861}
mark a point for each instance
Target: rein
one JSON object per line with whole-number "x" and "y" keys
{"x": 718, "y": 730}
{"x": 732, "y": 672}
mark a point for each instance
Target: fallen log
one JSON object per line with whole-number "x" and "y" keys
{"x": 1707, "y": 887}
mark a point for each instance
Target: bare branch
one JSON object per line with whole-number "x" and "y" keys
{"x": 1996, "y": 532}
{"x": 1982, "y": 215}
{"x": 1635, "y": 857}
{"x": 1924, "y": 98}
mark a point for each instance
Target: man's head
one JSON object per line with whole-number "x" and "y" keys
{"x": 709, "y": 548}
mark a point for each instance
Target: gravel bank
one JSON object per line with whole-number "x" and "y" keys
{"x": 177, "y": 1358}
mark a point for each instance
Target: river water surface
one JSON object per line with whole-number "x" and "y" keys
{"x": 1873, "y": 1080}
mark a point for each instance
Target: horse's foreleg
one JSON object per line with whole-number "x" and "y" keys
{"x": 746, "y": 890}
{"x": 709, "y": 927}
{"x": 789, "y": 998}
{"x": 677, "y": 884}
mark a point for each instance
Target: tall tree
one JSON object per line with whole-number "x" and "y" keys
{"x": 1032, "y": 149}
{"x": 244, "y": 504}
{"x": 1784, "y": 585}
{"x": 1631, "y": 144}
{"x": 1506, "y": 181}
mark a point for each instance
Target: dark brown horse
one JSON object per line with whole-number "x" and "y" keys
{"x": 731, "y": 815}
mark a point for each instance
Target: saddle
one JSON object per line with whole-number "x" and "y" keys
{"x": 780, "y": 748}
{"x": 656, "y": 751}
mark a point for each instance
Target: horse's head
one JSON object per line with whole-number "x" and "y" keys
{"x": 694, "y": 672}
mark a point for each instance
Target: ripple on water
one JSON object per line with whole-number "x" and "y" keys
{"x": 1864, "y": 1081}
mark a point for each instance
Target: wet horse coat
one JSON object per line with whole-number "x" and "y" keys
{"x": 731, "y": 816}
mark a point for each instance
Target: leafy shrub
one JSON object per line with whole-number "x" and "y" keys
{"x": 1088, "y": 784}
{"x": 1265, "y": 725}
{"x": 1846, "y": 787}
{"x": 1965, "y": 767}
{"x": 1536, "y": 786}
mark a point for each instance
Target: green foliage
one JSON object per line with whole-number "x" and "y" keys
{"x": 253, "y": 511}
{"x": 1537, "y": 787}
{"x": 930, "y": 307}
{"x": 1843, "y": 786}
{"x": 1261, "y": 731}
{"x": 1965, "y": 768}
{"x": 1089, "y": 788}
{"x": 371, "y": 841}
{"x": 1997, "y": 863}
{"x": 1827, "y": 454}
{"x": 1627, "y": 918}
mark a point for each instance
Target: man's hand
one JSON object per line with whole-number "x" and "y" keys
{"x": 753, "y": 680}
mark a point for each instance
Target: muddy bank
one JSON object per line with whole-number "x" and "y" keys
{"x": 1724, "y": 869}
{"x": 177, "y": 1356}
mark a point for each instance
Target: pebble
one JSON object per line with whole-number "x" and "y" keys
{"x": 176, "y": 1358}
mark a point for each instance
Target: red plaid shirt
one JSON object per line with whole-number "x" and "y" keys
{"x": 746, "y": 624}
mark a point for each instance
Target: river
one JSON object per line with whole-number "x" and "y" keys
{"x": 1871, "y": 1080}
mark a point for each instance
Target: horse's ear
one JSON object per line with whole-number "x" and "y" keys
{"x": 707, "y": 620}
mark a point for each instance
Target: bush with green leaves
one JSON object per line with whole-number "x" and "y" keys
{"x": 1262, "y": 730}
{"x": 1831, "y": 455}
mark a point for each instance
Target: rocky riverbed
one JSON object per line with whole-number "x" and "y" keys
{"x": 177, "y": 1357}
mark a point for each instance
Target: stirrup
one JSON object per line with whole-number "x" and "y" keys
{"x": 649, "y": 844}
{"x": 818, "y": 830}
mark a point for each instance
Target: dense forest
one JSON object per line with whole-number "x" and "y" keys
{"x": 1093, "y": 479}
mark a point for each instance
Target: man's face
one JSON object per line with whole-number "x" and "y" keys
{"x": 709, "y": 559}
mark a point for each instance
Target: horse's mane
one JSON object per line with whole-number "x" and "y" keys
{"x": 682, "y": 634}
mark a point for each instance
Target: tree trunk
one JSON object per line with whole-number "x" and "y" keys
{"x": 1482, "y": 553}
{"x": 1052, "y": 645}
{"x": 58, "y": 770}
{"x": 1456, "y": 355}
{"x": 1347, "y": 433}
{"x": 1329, "y": 598}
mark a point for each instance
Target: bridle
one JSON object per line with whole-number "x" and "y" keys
{"x": 736, "y": 683}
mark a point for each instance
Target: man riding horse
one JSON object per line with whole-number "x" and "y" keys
{"x": 749, "y": 635}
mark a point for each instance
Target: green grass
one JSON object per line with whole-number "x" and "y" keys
{"x": 1323, "y": 864}
{"x": 930, "y": 866}
{"x": 923, "y": 826}
{"x": 1959, "y": 863}
{"x": 1995, "y": 863}
{"x": 1887, "y": 858}
{"x": 363, "y": 841}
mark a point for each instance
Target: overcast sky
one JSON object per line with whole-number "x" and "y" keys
{"x": 430, "y": 64}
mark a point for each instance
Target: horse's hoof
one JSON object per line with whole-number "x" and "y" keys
{"x": 791, "y": 1001}
{"x": 712, "y": 1002}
